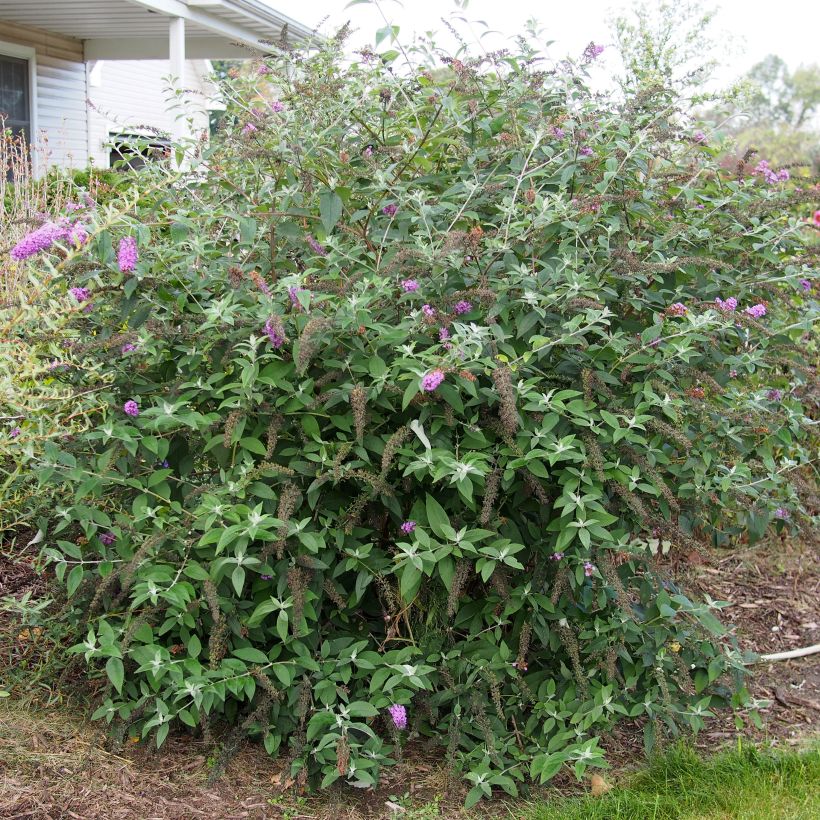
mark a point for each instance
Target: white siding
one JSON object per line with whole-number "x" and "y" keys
{"x": 61, "y": 93}
{"x": 133, "y": 98}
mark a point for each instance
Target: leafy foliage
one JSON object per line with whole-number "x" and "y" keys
{"x": 414, "y": 374}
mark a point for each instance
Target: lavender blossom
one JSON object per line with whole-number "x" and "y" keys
{"x": 38, "y": 240}
{"x": 399, "y": 715}
{"x": 462, "y": 307}
{"x": 729, "y": 306}
{"x": 131, "y": 408}
{"x": 756, "y": 311}
{"x": 407, "y": 527}
{"x": 80, "y": 294}
{"x": 409, "y": 285}
{"x": 390, "y": 210}
{"x": 127, "y": 254}
{"x": 316, "y": 246}
{"x": 428, "y": 311}
{"x": 108, "y": 538}
{"x": 432, "y": 380}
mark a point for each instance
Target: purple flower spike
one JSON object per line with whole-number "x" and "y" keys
{"x": 756, "y": 311}
{"x": 131, "y": 408}
{"x": 14, "y": 432}
{"x": 127, "y": 254}
{"x": 592, "y": 52}
{"x": 781, "y": 514}
{"x": 589, "y": 568}
{"x": 729, "y": 306}
{"x": 432, "y": 380}
{"x": 428, "y": 311}
{"x": 128, "y": 348}
{"x": 409, "y": 285}
{"x": 805, "y": 285}
{"x": 399, "y": 715}
{"x": 557, "y": 556}
{"x": 678, "y": 309}
{"x": 407, "y": 527}
{"x": 699, "y": 137}
{"x": 585, "y": 151}
{"x": 108, "y": 538}
{"x": 463, "y": 307}
{"x": 266, "y": 577}
{"x": 443, "y": 334}
{"x": 80, "y": 294}
{"x": 316, "y": 246}
{"x": 274, "y": 331}
{"x": 39, "y": 240}
{"x": 774, "y": 395}
{"x": 390, "y": 210}
{"x": 277, "y": 106}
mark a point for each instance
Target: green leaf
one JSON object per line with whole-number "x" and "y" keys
{"x": 330, "y": 209}
{"x": 116, "y": 672}
{"x": 250, "y": 654}
{"x": 436, "y": 517}
{"x": 75, "y": 578}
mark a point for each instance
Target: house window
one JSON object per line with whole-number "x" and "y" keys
{"x": 15, "y": 97}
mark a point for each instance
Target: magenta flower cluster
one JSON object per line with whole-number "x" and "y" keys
{"x": 131, "y": 408}
{"x": 678, "y": 309}
{"x": 127, "y": 254}
{"x": 274, "y": 333}
{"x": 756, "y": 311}
{"x": 14, "y": 432}
{"x": 390, "y": 210}
{"x": 443, "y": 334}
{"x": 277, "y": 106}
{"x": 592, "y": 52}
{"x": 407, "y": 527}
{"x": 409, "y": 285}
{"x": 428, "y": 311}
{"x": 729, "y": 306}
{"x": 38, "y": 240}
{"x": 585, "y": 151}
{"x": 769, "y": 174}
{"x": 432, "y": 380}
{"x": 399, "y": 715}
{"x": 462, "y": 307}
{"x": 128, "y": 348}
{"x": 80, "y": 294}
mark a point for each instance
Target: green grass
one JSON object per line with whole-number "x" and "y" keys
{"x": 746, "y": 784}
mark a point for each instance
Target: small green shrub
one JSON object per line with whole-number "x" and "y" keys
{"x": 414, "y": 374}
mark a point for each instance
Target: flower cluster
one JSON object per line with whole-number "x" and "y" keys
{"x": 592, "y": 52}
{"x": 407, "y": 527}
{"x": 409, "y": 285}
{"x": 769, "y": 174}
{"x": 678, "y": 309}
{"x": 432, "y": 380}
{"x": 756, "y": 311}
{"x": 131, "y": 408}
{"x": 462, "y": 307}
{"x": 127, "y": 254}
{"x": 399, "y": 715}
{"x": 390, "y": 210}
{"x": 729, "y": 306}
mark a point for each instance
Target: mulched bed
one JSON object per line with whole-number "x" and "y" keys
{"x": 55, "y": 764}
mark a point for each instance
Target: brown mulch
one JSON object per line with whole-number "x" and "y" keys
{"x": 775, "y": 594}
{"x": 54, "y": 763}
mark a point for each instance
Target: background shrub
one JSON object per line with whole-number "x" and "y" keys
{"x": 414, "y": 373}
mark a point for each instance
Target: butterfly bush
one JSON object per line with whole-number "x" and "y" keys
{"x": 318, "y": 514}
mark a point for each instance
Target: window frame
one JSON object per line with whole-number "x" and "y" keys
{"x": 28, "y": 53}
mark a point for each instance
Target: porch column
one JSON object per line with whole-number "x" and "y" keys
{"x": 176, "y": 52}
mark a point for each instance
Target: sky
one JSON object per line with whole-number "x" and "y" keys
{"x": 752, "y": 28}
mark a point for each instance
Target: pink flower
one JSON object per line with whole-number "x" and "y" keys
{"x": 678, "y": 309}
{"x": 462, "y": 307}
{"x": 585, "y": 151}
{"x": 399, "y": 715}
{"x": 589, "y": 568}
{"x": 80, "y": 294}
{"x": 699, "y": 137}
{"x": 805, "y": 285}
{"x": 249, "y": 129}
{"x": 128, "y": 348}
{"x": 817, "y": 218}
{"x": 131, "y": 408}
{"x": 367, "y": 153}
{"x": 428, "y": 311}
{"x": 77, "y": 235}
{"x": 729, "y": 306}
{"x": 443, "y": 334}
{"x": 14, "y": 432}
{"x": 756, "y": 311}
{"x": 127, "y": 254}
{"x": 262, "y": 70}
{"x": 432, "y": 380}
{"x": 407, "y": 527}
{"x": 277, "y": 106}
{"x": 38, "y": 240}
{"x": 409, "y": 285}
{"x": 557, "y": 556}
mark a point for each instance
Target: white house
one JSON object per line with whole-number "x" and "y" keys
{"x": 81, "y": 74}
